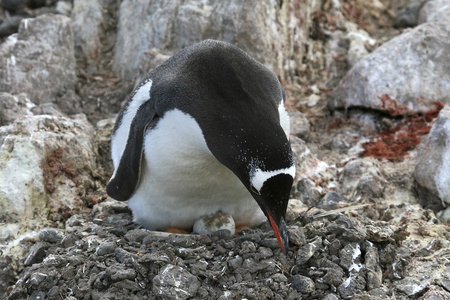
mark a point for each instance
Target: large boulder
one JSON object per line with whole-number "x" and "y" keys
{"x": 432, "y": 170}
{"x": 269, "y": 31}
{"x": 39, "y": 61}
{"x": 403, "y": 76}
{"x": 47, "y": 164}
{"x": 434, "y": 11}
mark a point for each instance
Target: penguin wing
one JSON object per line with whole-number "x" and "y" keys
{"x": 126, "y": 176}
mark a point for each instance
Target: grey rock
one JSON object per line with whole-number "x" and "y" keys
{"x": 51, "y": 235}
{"x": 412, "y": 286}
{"x": 10, "y": 26}
{"x": 363, "y": 177}
{"x": 263, "y": 29}
{"x": 235, "y": 263}
{"x": 175, "y": 282}
{"x": 403, "y": 76}
{"x": 434, "y": 11}
{"x": 334, "y": 276}
{"x": 265, "y": 252}
{"x": 136, "y": 235}
{"x": 331, "y": 200}
{"x": 330, "y": 297}
{"x": 373, "y": 268}
{"x": 306, "y": 191}
{"x": 350, "y": 257}
{"x": 87, "y": 22}
{"x": 36, "y": 254}
{"x": 408, "y": 16}
{"x": 40, "y": 62}
{"x": 297, "y": 236}
{"x": 118, "y": 274}
{"x": 14, "y": 106}
{"x": 64, "y": 8}
{"x": 303, "y": 284}
{"x": 431, "y": 171}
{"x": 308, "y": 250}
{"x": 299, "y": 125}
{"x": 106, "y": 248}
{"x": 351, "y": 286}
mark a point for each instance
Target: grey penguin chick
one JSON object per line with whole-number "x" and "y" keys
{"x": 206, "y": 131}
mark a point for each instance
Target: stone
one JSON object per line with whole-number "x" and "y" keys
{"x": 305, "y": 190}
{"x": 45, "y": 162}
{"x": 106, "y": 248}
{"x": 412, "y": 286}
{"x": 434, "y": 11}
{"x": 308, "y": 250}
{"x": 297, "y": 236}
{"x": 64, "y": 8}
{"x": 136, "y": 235}
{"x": 432, "y": 169}
{"x": 175, "y": 282}
{"x": 300, "y": 126}
{"x": 303, "y": 284}
{"x": 408, "y": 16}
{"x": 215, "y": 222}
{"x": 403, "y": 76}
{"x": 351, "y": 286}
{"x": 362, "y": 178}
{"x": 331, "y": 200}
{"x": 87, "y": 22}
{"x": 36, "y": 255}
{"x": 372, "y": 265}
{"x": 350, "y": 257}
{"x": 40, "y": 62}
{"x": 263, "y": 29}
{"x": 10, "y": 26}
{"x": 14, "y": 106}
{"x": 51, "y": 235}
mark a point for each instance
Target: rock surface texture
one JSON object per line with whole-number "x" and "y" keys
{"x": 370, "y": 118}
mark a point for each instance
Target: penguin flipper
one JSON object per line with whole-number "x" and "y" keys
{"x": 126, "y": 177}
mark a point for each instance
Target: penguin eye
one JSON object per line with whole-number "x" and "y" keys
{"x": 254, "y": 190}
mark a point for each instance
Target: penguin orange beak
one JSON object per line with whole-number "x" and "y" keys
{"x": 280, "y": 232}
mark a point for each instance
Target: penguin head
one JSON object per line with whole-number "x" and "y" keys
{"x": 271, "y": 191}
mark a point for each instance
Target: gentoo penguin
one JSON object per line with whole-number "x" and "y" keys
{"x": 205, "y": 131}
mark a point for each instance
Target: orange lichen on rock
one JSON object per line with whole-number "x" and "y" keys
{"x": 394, "y": 143}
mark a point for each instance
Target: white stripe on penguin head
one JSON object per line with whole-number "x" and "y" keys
{"x": 259, "y": 176}
{"x": 120, "y": 137}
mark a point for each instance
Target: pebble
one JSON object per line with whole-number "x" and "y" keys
{"x": 105, "y": 248}
{"x": 303, "y": 284}
{"x": 36, "y": 254}
{"x": 51, "y": 235}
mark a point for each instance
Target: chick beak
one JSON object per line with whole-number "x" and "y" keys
{"x": 280, "y": 232}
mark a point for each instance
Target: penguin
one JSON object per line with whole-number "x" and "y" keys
{"x": 206, "y": 131}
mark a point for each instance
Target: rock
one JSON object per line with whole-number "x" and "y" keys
{"x": 408, "y": 15}
{"x": 362, "y": 178}
{"x": 106, "y": 248}
{"x": 300, "y": 126}
{"x": 358, "y": 39}
{"x": 434, "y": 11}
{"x": 331, "y": 201}
{"x": 45, "y": 163}
{"x": 215, "y": 222}
{"x": 14, "y": 106}
{"x": 64, "y": 8}
{"x": 10, "y": 26}
{"x": 350, "y": 257}
{"x": 51, "y": 235}
{"x": 87, "y": 20}
{"x": 412, "y": 286}
{"x": 303, "y": 284}
{"x": 36, "y": 255}
{"x": 432, "y": 169}
{"x": 306, "y": 191}
{"x": 263, "y": 29}
{"x": 351, "y": 286}
{"x": 403, "y": 76}
{"x": 372, "y": 265}
{"x": 297, "y": 236}
{"x": 175, "y": 282}
{"x": 308, "y": 250}
{"x": 51, "y": 78}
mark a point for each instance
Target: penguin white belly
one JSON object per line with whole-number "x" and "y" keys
{"x": 181, "y": 181}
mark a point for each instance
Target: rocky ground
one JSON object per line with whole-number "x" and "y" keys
{"x": 368, "y": 98}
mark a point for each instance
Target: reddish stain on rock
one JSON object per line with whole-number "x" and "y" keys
{"x": 394, "y": 143}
